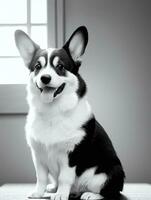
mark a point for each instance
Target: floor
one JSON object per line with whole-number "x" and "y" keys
{"x": 21, "y": 191}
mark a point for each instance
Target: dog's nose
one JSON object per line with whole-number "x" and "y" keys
{"x": 46, "y": 78}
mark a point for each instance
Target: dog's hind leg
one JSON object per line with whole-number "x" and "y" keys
{"x": 94, "y": 183}
{"x": 91, "y": 196}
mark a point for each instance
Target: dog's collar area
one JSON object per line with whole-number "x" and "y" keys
{"x": 56, "y": 91}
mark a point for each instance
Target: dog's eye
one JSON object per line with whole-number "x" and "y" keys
{"x": 60, "y": 67}
{"x": 38, "y": 66}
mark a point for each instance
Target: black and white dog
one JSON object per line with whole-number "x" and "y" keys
{"x": 66, "y": 141}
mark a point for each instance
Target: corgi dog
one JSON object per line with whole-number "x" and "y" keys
{"x": 66, "y": 141}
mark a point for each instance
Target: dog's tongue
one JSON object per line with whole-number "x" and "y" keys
{"x": 47, "y": 94}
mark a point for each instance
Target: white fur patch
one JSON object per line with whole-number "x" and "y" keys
{"x": 55, "y": 61}
{"x": 49, "y": 125}
{"x": 42, "y": 60}
{"x": 91, "y": 196}
{"x": 89, "y": 181}
{"x": 50, "y": 50}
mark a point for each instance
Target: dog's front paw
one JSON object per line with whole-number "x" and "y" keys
{"x": 35, "y": 195}
{"x": 91, "y": 196}
{"x": 51, "y": 188}
{"x": 58, "y": 196}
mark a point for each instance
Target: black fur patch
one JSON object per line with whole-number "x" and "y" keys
{"x": 64, "y": 59}
{"x": 64, "y": 54}
{"x": 69, "y": 65}
{"x": 60, "y": 69}
{"x": 96, "y": 150}
{"x": 38, "y": 54}
{"x": 82, "y": 87}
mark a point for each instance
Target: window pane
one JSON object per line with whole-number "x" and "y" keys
{"x": 38, "y": 11}
{"x": 13, "y": 71}
{"x": 7, "y": 42}
{"x": 13, "y": 11}
{"x": 39, "y": 35}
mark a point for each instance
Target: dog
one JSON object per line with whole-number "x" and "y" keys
{"x": 66, "y": 141}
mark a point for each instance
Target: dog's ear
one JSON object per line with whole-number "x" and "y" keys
{"x": 77, "y": 43}
{"x": 26, "y": 46}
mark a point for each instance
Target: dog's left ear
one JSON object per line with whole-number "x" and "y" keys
{"x": 77, "y": 43}
{"x": 27, "y": 48}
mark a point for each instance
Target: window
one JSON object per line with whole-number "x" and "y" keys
{"x": 44, "y": 21}
{"x": 29, "y": 16}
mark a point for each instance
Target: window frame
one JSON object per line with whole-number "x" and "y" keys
{"x": 28, "y": 25}
{"x": 13, "y": 96}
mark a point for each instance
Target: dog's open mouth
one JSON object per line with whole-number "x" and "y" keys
{"x": 50, "y": 93}
{"x": 59, "y": 89}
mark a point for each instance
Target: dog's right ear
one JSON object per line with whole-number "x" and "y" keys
{"x": 77, "y": 43}
{"x": 26, "y": 46}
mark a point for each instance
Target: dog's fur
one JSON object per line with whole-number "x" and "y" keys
{"x": 66, "y": 141}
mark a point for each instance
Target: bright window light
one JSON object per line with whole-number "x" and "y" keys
{"x": 38, "y": 34}
{"x": 29, "y": 16}
{"x": 7, "y": 43}
{"x": 38, "y": 11}
{"x": 14, "y": 11}
{"x": 13, "y": 71}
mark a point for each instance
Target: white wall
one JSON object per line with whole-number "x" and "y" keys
{"x": 117, "y": 67}
{"x": 117, "y": 70}
{"x": 15, "y": 160}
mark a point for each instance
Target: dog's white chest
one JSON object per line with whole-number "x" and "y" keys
{"x": 50, "y": 128}
{"x": 61, "y": 130}
{"x": 43, "y": 129}
{"x": 52, "y": 140}
{"x": 53, "y": 136}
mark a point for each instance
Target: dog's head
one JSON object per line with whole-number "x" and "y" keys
{"x": 53, "y": 71}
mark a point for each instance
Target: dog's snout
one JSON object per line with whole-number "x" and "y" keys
{"x": 46, "y": 78}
